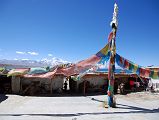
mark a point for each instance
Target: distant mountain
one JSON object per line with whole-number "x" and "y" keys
{"x": 53, "y": 61}
{"x": 21, "y": 63}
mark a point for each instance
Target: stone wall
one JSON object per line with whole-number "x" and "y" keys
{"x": 50, "y": 85}
{"x": 16, "y": 85}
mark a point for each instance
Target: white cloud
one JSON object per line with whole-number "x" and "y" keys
{"x": 25, "y": 59}
{"x": 19, "y": 52}
{"x": 33, "y": 53}
{"x": 50, "y": 55}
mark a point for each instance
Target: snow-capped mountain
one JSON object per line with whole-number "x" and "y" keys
{"x": 19, "y": 63}
{"x": 53, "y": 61}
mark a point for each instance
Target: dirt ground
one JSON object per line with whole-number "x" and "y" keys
{"x": 142, "y": 106}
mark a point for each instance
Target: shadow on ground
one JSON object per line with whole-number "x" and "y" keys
{"x": 66, "y": 94}
{"x": 3, "y": 97}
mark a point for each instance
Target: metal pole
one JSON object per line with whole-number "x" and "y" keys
{"x": 111, "y": 70}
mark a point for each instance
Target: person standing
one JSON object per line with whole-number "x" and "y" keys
{"x": 131, "y": 82}
{"x": 65, "y": 85}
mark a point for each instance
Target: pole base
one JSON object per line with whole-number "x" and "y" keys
{"x": 111, "y": 101}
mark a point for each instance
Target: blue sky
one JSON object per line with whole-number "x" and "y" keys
{"x": 76, "y": 29}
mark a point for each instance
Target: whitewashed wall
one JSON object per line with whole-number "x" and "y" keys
{"x": 54, "y": 83}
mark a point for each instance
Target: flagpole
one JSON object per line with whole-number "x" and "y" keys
{"x": 111, "y": 69}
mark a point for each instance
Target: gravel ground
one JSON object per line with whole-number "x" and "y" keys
{"x": 142, "y": 106}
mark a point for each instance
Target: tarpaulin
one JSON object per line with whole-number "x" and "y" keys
{"x": 48, "y": 75}
{"x": 2, "y": 69}
{"x": 38, "y": 70}
{"x": 18, "y": 72}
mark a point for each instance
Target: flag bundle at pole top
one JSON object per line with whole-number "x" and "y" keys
{"x": 115, "y": 13}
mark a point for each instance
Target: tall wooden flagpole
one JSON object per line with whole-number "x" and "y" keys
{"x": 112, "y": 48}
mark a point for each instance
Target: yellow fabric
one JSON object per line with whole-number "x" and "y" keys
{"x": 135, "y": 68}
{"x": 105, "y": 50}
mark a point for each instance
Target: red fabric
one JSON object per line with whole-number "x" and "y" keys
{"x": 142, "y": 72}
{"x": 126, "y": 64}
{"x": 108, "y": 93}
{"x": 110, "y": 36}
{"x": 131, "y": 82}
{"x": 80, "y": 66}
{"x": 147, "y": 73}
{"x": 121, "y": 60}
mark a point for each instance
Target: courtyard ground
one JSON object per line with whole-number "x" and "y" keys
{"x": 142, "y": 106}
